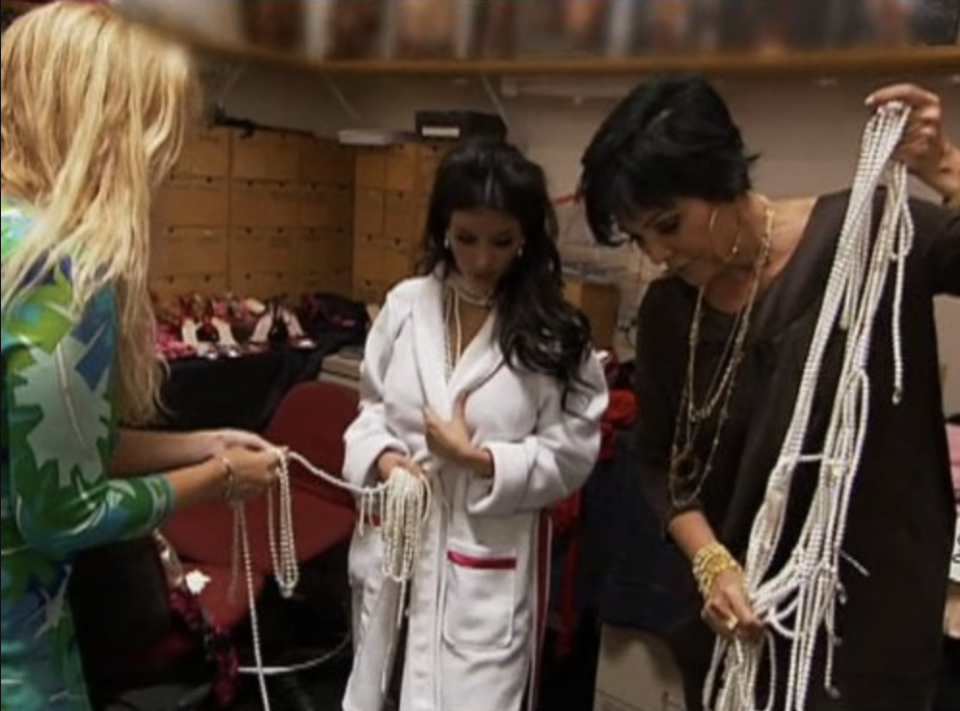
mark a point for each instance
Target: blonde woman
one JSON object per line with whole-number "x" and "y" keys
{"x": 93, "y": 113}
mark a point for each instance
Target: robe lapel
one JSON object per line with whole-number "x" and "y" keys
{"x": 429, "y": 347}
{"x": 481, "y": 359}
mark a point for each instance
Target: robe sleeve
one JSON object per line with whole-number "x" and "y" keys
{"x": 557, "y": 458}
{"x": 58, "y": 416}
{"x": 370, "y": 435}
{"x": 937, "y": 231}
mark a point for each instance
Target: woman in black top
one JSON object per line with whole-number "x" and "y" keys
{"x": 732, "y": 325}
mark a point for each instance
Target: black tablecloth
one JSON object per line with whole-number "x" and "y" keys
{"x": 238, "y": 392}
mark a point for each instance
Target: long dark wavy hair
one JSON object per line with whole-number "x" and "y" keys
{"x": 536, "y": 327}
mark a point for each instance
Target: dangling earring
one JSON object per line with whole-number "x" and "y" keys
{"x": 446, "y": 243}
{"x": 520, "y": 252}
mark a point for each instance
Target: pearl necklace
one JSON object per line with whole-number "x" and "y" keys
{"x": 801, "y": 598}
{"x": 404, "y": 503}
{"x": 457, "y": 283}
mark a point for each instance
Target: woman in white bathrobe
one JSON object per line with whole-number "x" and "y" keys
{"x": 480, "y": 377}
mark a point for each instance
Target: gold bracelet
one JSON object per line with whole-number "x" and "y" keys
{"x": 230, "y": 486}
{"x": 709, "y": 563}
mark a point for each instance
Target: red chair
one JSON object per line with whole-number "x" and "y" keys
{"x": 130, "y": 636}
{"x": 310, "y": 420}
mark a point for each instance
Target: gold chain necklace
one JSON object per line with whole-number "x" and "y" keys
{"x": 688, "y": 472}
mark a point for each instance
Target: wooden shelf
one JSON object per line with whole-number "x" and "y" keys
{"x": 940, "y": 59}
{"x": 799, "y": 63}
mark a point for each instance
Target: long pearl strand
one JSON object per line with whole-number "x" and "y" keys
{"x": 799, "y": 600}
{"x": 403, "y": 504}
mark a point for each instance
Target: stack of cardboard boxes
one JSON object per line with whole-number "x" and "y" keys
{"x": 191, "y": 219}
{"x": 393, "y": 187}
{"x": 259, "y": 214}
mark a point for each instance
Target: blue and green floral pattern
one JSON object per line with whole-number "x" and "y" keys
{"x": 56, "y": 498}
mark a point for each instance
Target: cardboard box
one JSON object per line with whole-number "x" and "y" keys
{"x": 268, "y": 155}
{"x": 371, "y": 168}
{"x": 636, "y": 672}
{"x": 370, "y": 291}
{"x": 264, "y": 249}
{"x": 323, "y": 251}
{"x": 431, "y": 153}
{"x": 181, "y": 251}
{"x": 387, "y": 261}
{"x": 250, "y": 152}
{"x": 283, "y": 156}
{"x": 264, "y": 203}
{"x": 369, "y": 207}
{"x": 403, "y": 162}
{"x": 334, "y": 281}
{"x": 326, "y": 162}
{"x": 205, "y": 153}
{"x": 403, "y": 219}
{"x": 265, "y": 284}
{"x": 192, "y": 202}
{"x": 600, "y": 303}
{"x": 212, "y": 284}
{"x": 326, "y": 207}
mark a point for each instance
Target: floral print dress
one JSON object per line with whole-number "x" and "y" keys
{"x": 58, "y": 435}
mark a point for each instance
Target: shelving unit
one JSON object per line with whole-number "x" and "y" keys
{"x": 938, "y": 59}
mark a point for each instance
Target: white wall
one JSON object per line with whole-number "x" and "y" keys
{"x": 807, "y": 131}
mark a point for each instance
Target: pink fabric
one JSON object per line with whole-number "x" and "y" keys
{"x": 953, "y": 438}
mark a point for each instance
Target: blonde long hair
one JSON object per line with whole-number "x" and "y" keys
{"x": 94, "y": 110}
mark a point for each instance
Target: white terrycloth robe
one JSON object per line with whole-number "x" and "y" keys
{"x": 477, "y": 601}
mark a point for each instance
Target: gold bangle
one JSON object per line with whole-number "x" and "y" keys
{"x": 709, "y": 563}
{"x": 230, "y": 475}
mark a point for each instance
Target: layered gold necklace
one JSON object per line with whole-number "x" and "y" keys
{"x": 688, "y": 471}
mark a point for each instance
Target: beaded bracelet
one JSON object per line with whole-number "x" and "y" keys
{"x": 709, "y": 563}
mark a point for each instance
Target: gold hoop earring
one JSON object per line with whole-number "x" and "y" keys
{"x": 735, "y": 250}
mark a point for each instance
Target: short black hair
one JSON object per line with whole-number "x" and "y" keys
{"x": 536, "y": 327}
{"x": 671, "y": 137}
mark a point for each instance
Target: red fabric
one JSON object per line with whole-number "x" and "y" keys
{"x": 621, "y": 412}
{"x": 566, "y": 513}
{"x": 311, "y": 420}
{"x": 205, "y": 533}
{"x": 477, "y": 563}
